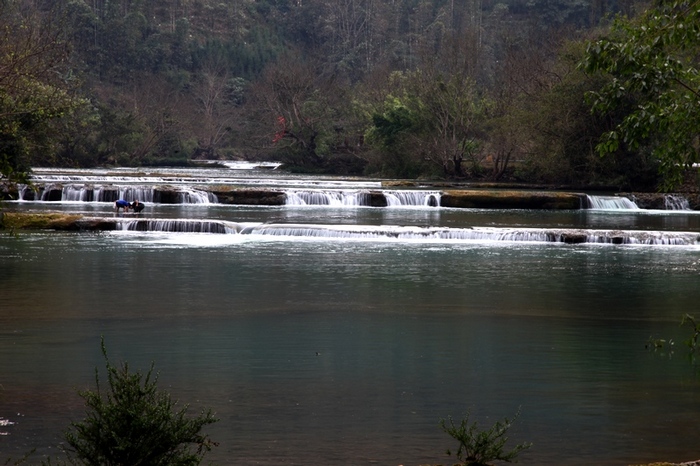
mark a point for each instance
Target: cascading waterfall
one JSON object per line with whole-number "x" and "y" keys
{"x": 77, "y": 193}
{"x": 338, "y": 198}
{"x": 610, "y": 203}
{"x": 334, "y": 198}
{"x": 180, "y": 226}
{"x": 132, "y": 193}
{"x": 194, "y": 196}
{"x": 412, "y": 198}
{"x": 411, "y": 233}
{"x": 401, "y": 233}
{"x": 98, "y": 193}
{"x": 676, "y": 202}
{"x": 475, "y": 234}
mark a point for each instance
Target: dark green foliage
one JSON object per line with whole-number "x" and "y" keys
{"x": 391, "y": 134}
{"x": 478, "y": 447}
{"x": 652, "y": 89}
{"x": 391, "y": 125}
{"x": 561, "y": 132}
{"x": 141, "y": 69}
{"x": 131, "y": 422}
{"x": 33, "y": 88}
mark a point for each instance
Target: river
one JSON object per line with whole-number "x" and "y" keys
{"x": 343, "y": 348}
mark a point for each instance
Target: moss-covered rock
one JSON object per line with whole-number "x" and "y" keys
{"x": 251, "y": 197}
{"x": 494, "y": 199}
{"x": 54, "y": 221}
{"x": 44, "y": 221}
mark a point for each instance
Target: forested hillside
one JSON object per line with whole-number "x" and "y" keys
{"x": 413, "y": 88}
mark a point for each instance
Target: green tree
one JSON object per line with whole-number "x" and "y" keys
{"x": 132, "y": 423}
{"x": 429, "y": 120}
{"x": 33, "y": 81}
{"x": 654, "y": 85}
{"x": 392, "y": 133}
{"x": 562, "y": 133}
{"x": 451, "y": 112}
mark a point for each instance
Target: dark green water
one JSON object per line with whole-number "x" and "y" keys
{"x": 406, "y": 333}
{"x": 337, "y": 351}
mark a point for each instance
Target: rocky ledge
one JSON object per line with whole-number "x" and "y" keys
{"x": 54, "y": 221}
{"x": 497, "y": 199}
{"x": 446, "y": 196}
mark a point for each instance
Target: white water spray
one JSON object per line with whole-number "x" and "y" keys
{"x": 611, "y": 203}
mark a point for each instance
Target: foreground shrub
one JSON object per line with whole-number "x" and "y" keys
{"x": 479, "y": 447}
{"x": 133, "y": 423}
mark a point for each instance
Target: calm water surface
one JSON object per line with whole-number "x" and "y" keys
{"x": 319, "y": 351}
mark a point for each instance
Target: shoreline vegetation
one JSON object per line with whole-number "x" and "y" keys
{"x": 579, "y": 94}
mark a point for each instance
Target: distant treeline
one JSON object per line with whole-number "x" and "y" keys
{"x": 411, "y": 88}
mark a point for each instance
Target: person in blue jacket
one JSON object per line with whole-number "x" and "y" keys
{"x": 122, "y": 204}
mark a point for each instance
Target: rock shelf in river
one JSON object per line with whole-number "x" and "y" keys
{"x": 386, "y": 196}
{"x": 16, "y": 221}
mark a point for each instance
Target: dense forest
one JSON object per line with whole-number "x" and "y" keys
{"x": 547, "y": 91}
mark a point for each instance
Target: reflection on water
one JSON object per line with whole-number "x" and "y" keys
{"x": 334, "y": 351}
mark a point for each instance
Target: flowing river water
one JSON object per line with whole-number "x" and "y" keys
{"x": 348, "y": 333}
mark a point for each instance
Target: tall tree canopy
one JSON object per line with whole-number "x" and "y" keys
{"x": 430, "y": 88}
{"x": 653, "y": 92}
{"x": 33, "y": 81}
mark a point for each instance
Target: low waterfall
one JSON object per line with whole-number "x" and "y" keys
{"x": 412, "y": 198}
{"x": 403, "y": 233}
{"x": 610, "y": 203}
{"x": 327, "y": 197}
{"x": 108, "y": 193}
{"x": 194, "y": 196}
{"x": 676, "y": 202}
{"x": 476, "y": 234}
{"x": 180, "y": 226}
{"x": 339, "y": 198}
{"x": 408, "y": 233}
{"x": 133, "y": 193}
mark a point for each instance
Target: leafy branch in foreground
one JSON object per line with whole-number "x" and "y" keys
{"x": 478, "y": 447}
{"x": 132, "y": 423}
{"x": 653, "y": 89}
